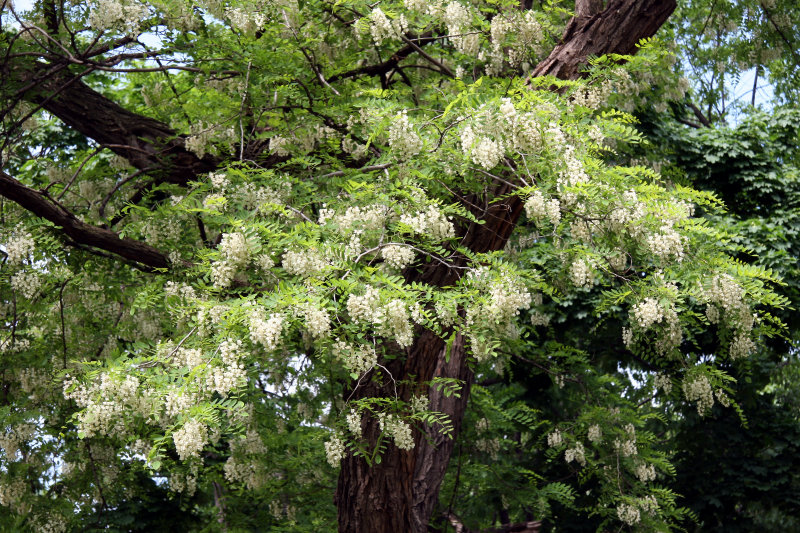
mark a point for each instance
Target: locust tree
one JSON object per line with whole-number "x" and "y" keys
{"x": 241, "y": 237}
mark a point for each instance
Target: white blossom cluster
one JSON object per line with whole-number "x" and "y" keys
{"x": 576, "y": 453}
{"x": 358, "y": 151}
{"x": 12, "y": 492}
{"x": 537, "y": 207}
{"x": 370, "y": 217}
{"x": 243, "y": 466}
{"x": 628, "y": 213}
{"x": 698, "y": 389}
{"x": 649, "y": 313}
{"x": 184, "y": 484}
{"x": 573, "y": 173}
{"x": 507, "y": 297}
{"x": 483, "y": 150}
{"x": 19, "y": 246}
{"x": 251, "y": 196}
{"x": 202, "y": 135}
{"x": 360, "y": 359}
{"x": 180, "y": 290}
{"x": 554, "y": 439}
{"x": 514, "y": 35}
{"x": 231, "y": 374}
{"x": 305, "y": 264}
{"x": 12, "y": 440}
{"x": 594, "y": 434}
{"x": 188, "y": 357}
{"x": 266, "y": 331}
{"x": 33, "y": 381}
{"x": 396, "y": 322}
{"x": 403, "y": 138}
{"x": 397, "y": 256}
{"x": 581, "y": 273}
{"x": 629, "y": 514}
{"x": 49, "y": 523}
{"x": 399, "y": 430}
{"x": 382, "y": 28}
{"x": 246, "y": 472}
{"x": 235, "y": 251}
{"x": 431, "y": 222}
{"x": 645, "y": 472}
{"x": 190, "y": 438}
{"x": 727, "y": 300}
{"x": 317, "y": 320}
{"x": 354, "y": 423}
{"x": 279, "y": 145}
{"x": 245, "y": 20}
{"x": 667, "y": 243}
{"x": 107, "y": 402}
{"x": 26, "y": 283}
{"x": 334, "y": 450}
{"x": 663, "y": 382}
{"x": 116, "y": 14}
{"x": 627, "y": 447}
{"x": 391, "y": 319}
{"x": 177, "y": 402}
{"x": 420, "y": 403}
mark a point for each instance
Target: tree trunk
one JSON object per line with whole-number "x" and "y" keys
{"x": 400, "y": 494}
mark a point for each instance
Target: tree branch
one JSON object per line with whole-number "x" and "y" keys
{"x": 615, "y": 30}
{"x": 143, "y": 141}
{"x": 77, "y": 230}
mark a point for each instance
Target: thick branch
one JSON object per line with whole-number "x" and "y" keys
{"x": 616, "y": 30}
{"x": 77, "y": 230}
{"x": 143, "y": 141}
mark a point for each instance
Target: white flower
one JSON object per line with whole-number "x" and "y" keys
{"x": 663, "y": 382}
{"x": 397, "y": 257}
{"x": 487, "y": 153}
{"x": 266, "y": 332}
{"x": 554, "y": 439}
{"x": 594, "y": 434}
{"x": 19, "y": 247}
{"x": 354, "y": 423}
{"x": 398, "y": 429}
{"x": 698, "y": 389}
{"x": 580, "y": 273}
{"x": 645, "y": 472}
{"x": 647, "y": 313}
{"x": 628, "y": 514}
{"x": 304, "y": 263}
{"x": 402, "y": 137}
{"x": 190, "y": 439}
{"x": 431, "y": 222}
{"x": 334, "y": 450}
{"x": 576, "y": 453}
{"x": 26, "y": 283}
{"x": 318, "y": 322}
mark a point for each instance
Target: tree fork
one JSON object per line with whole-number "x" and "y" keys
{"x": 400, "y": 493}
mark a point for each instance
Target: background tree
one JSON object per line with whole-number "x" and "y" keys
{"x": 273, "y": 229}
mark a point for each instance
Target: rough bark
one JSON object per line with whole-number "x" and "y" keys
{"x": 400, "y": 493}
{"x": 77, "y": 230}
{"x": 145, "y": 142}
{"x": 617, "y": 29}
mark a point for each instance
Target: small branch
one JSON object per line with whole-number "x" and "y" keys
{"x": 699, "y": 114}
{"x": 427, "y": 56}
